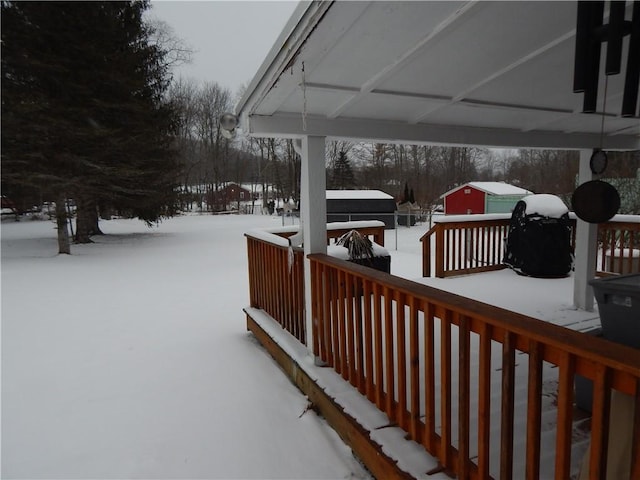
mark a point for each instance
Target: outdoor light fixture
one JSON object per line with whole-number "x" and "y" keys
{"x": 228, "y": 125}
{"x": 590, "y": 33}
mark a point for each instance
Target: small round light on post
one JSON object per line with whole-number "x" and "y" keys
{"x": 228, "y": 125}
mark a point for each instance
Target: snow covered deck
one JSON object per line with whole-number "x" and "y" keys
{"x": 137, "y": 364}
{"x": 483, "y": 387}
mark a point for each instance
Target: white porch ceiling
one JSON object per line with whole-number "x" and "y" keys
{"x": 463, "y": 73}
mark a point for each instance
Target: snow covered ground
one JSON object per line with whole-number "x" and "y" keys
{"x": 130, "y": 358}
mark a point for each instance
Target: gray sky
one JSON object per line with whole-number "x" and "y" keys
{"x": 231, "y": 38}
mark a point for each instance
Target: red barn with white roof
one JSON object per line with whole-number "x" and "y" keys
{"x": 482, "y": 197}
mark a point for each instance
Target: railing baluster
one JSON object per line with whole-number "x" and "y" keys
{"x": 368, "y": 339}
{"x": 429, "y": 379}
{"x": 613, "y": 247}
{"x": 534, "y": 409}
{"x": 441, "y": 252}
{"x": 475, "y": 247}
{"x": 464, "y": 388}
{"x": 484, "y": 401}
{"x": 426, "y": 254}
{"x": 401, "y": 360}
{"x": 389, "y": 360}
{"x": 326, "y": 310}
{"x": 494, "y": 257}
{"x": 290, "y": 306}
{"x": 298, "y": 289}
{"x": 566, "y": 366}
{"x": 632, "y": 244}
{"x": 344, "y": 355}
{"x": 485, "y": 242}
{"x": 359, "y": 359}
{"x": 377, "y": 335}
{"x": 350, "y": 327}
{"x": 507, "y": 402}
{"x": 445, "y": 388}
{"x": 414, "y": 374}
{"x": 335, "y": 321}
{"x": 599, "y": 423}
{"x": 457, "y": 236}
{"x": 275, "y": 291}
{"x": 635, "y": 442}
{"x": 603, "y": 235}
{"x": 284, "y": 291}
{"x": 316, "y": 311}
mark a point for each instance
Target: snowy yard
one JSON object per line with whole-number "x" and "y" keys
{"x": 130, "y": 358}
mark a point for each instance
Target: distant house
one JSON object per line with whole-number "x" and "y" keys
{"x": 482, "y": 197}
{"x": 351, "y": 205}
{"x": 231, "y": 195}
{"x": 8, "y": 208}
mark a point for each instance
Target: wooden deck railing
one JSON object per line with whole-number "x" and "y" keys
{"x": 619, "y": 245}
{"x": 276, "y": 272}
{"x": 433, "y": 361}
{"x": 276, "y": 285}
{"x": 477, "y": 245}
{"x": 470, "y": 246}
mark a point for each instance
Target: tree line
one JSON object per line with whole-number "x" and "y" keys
{"x": 91, "y": 112}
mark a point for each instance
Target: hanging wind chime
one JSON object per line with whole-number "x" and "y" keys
{"x": 597, "y": 201}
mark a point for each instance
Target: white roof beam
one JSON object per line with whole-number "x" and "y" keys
{"x": 507, "y": 68}
{"x": 406, "y": 58}
{"x": 398, "y": 132}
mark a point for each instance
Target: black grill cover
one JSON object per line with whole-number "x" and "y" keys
{"x": 538, "y": 246}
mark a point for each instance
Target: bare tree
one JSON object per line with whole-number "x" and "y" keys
{"x": 162, "y": 35}
{"x": 213, "y": 101}
{"x": 184, "y": 95}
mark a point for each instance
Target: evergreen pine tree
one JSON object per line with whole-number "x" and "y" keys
{"x": 83, "y": 108}
{"x": 343, "y": 177}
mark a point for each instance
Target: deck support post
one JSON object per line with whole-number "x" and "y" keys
{"x": 586, "y": 247}
{"x": 313, "y": 216}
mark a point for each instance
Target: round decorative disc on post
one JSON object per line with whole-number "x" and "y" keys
{"x": 595, "y": 201}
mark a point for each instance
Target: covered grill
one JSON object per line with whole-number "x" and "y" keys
{"x": 539, "y": 238}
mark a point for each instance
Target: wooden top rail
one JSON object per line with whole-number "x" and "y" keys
{"x": 589, "y": 350}
{"x": 466, "y": 222}
{"x": 267, "y": 237}
{"x": 370, "y": 228}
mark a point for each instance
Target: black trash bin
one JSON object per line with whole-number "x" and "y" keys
{"x": 619, "y": 306}
{"x": 539, "y": 238}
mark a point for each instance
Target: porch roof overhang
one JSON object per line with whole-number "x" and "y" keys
{"x": 496, "y": 74}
